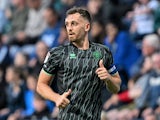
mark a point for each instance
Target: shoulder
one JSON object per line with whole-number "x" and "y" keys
{"x": 58, "y": 49}
{"x": 55, "y": 53}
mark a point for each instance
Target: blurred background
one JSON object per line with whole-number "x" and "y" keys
{"x": 130, "y": 28}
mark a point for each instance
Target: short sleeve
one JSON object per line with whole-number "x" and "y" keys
{"x": 51, "y": 62}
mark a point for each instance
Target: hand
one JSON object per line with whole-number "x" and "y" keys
{"x": 102, "y": 72}
{"x": 62, "y": 101}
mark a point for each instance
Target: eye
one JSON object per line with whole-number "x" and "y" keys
{"x": 74, "y": 23}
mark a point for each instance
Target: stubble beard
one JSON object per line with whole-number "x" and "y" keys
{"x": 76, "y": 39}
{"x": 72, "y": 40}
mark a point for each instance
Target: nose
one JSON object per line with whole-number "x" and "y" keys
{"x": 69, "y": 27}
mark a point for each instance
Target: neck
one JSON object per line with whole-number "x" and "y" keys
{"x": 82, "y": 44}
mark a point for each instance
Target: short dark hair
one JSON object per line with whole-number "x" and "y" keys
{"x": 82, "y": 11}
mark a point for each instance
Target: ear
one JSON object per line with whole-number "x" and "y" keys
{"x": 87, "y": 27}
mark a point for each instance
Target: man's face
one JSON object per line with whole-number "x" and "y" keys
{"x": 49, "y": 17}
{"x": 156, "y": 61}
{"x": 147, "y": 49}
{"x": 77, "y": 27}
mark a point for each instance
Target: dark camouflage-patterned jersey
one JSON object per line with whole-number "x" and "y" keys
{"x": 75, "y": 69}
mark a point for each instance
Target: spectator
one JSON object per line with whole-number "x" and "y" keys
{"x": 136, "y": 94}
{"x": 63, "y": 38}
{"x": 46, "y": 3}
{"x": 150, "y": 45}
{"x": 14, "y": 92}
{"x": 95, "y": 7}
{"x": 18, "y": 18}
{"x": 38, "y": 57}
{"x": 97, "y": 32}
{"x": 157, "y": 20}
{"x": 4, "y": 54}
{"x": 124, "y": 51}
{"x": 61, "y": 6}
{"x": 157, "y": 110}
{"x": 2, "y": 93}
{"x": 20, "y": 61}
{"x": 51, "y": 33}
{"x": 4, "y": 22}
{"x": 154, "y": 86}
{"x": 143, "y": 16}
{"x": 147, "y": 101}
{"x": 29, "y": 95}
{"x": 41, "y": 109}
{"x": 4, "y": 4}
{"x": 35, "y": 23}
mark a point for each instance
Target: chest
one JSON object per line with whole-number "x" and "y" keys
{"x": 80, "y": 61}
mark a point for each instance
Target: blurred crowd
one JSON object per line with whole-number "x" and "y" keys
{"x": 130, "y": 28}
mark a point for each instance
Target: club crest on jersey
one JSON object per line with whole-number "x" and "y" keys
{"x": 72, "y": 56}
{"x": 97, "y": 55}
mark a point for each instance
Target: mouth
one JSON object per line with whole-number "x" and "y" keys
{"x": 71, "y": 33}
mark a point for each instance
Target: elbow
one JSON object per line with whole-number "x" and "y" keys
{"x": 38, "y": 89}
{"x": 117, "y": 87}
{"x": 116, "y": 90}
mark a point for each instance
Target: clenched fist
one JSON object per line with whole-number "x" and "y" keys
{"x": 62, "y": 101}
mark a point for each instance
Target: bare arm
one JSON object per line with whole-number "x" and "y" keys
{"x": 44, "y": 89}
{"x": 112, "y": 81}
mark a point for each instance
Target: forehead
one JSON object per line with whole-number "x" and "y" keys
{"x": 73, "y": 17}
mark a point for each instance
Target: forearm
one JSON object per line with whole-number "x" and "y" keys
{"x": 112, "y": 87}
{"x": 113, "y": 84}
{"x": 44, "y": 89}
{"x": 112, "y": 81}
